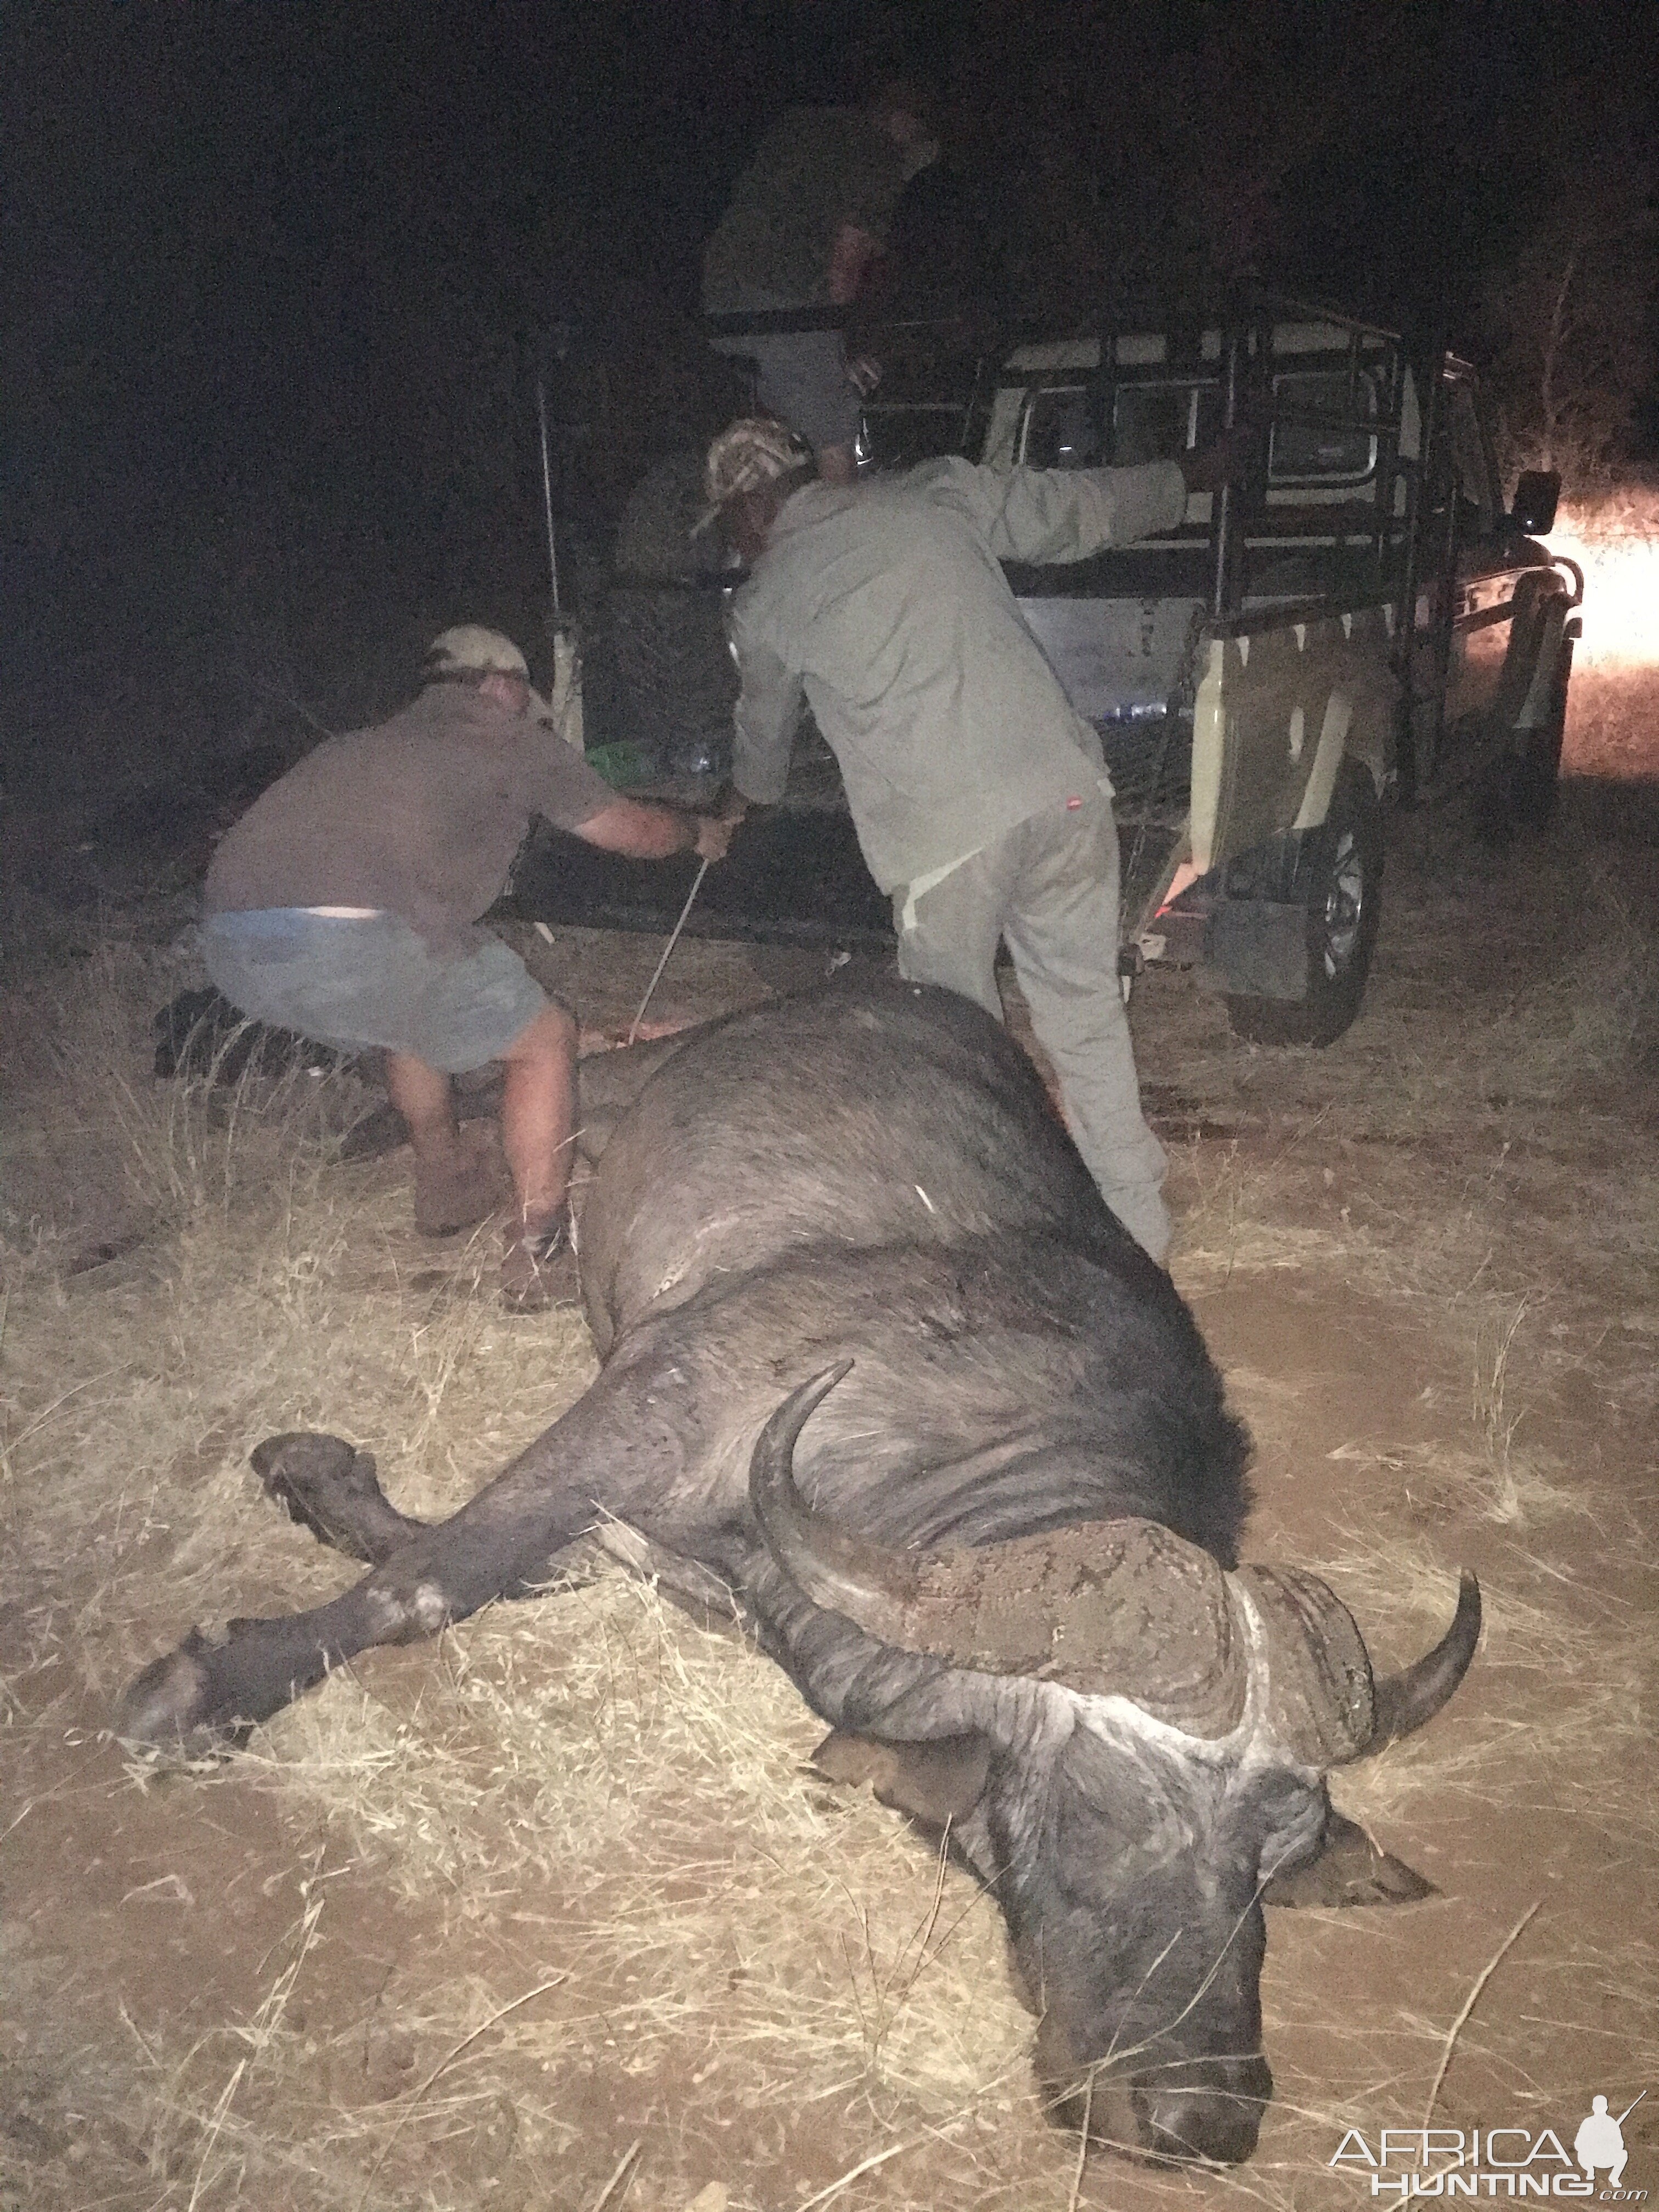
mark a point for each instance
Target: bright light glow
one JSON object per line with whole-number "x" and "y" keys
{"x": 1616, "y": 544}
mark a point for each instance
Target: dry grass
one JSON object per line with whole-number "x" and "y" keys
{"x": 588, "y": 1780}
{"x": 481, "y": 1917}
{"x": 1613, "y": 724}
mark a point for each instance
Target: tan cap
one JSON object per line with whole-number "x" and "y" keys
{"x": 470, "y": 649}
{"x": 752, "y": 451}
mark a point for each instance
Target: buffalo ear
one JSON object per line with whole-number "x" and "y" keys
{"x": 935, "y": 1782}
{"x": 1349, "y": 1869}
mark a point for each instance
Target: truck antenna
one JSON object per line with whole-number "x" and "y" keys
{"x": 547, "y": 497}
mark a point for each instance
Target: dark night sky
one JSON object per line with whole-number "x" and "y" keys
{"x": 266, "y": 262}
{"x": 137, "y": 127}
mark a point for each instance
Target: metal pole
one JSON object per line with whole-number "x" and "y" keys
{"x": 1221, "y": 499}
{"x": 650, "y": 988}
{"x": 1447, "y": 595}
{"x": 547, "y": 495}
{"x": 1420, "y": 495}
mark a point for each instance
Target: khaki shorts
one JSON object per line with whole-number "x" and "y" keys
{"x": 800, "y": 377}
{"x": 353, "y": 984}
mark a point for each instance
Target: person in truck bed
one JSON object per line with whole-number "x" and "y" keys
{"x": 807, "y": 221}
{"x": 979, "y": 797}
{"x": 344, "y": 904}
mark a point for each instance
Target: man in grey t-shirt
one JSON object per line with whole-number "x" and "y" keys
{"x": 345, "y": 903}
{"x": 979, "y": 795}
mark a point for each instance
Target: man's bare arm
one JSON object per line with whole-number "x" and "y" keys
{"x": 851, "y": 252}
{"x": 644, "y": 831}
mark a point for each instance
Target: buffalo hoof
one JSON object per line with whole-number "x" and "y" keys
{"x": 172, "y": 1706}
{"x": 329, "y": 1487}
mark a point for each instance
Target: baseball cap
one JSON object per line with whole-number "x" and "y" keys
{"x": 470, "y": 649}
{"x": 748, "y": 454}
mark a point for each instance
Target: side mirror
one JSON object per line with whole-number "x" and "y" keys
{"x": 1537, "y": 492}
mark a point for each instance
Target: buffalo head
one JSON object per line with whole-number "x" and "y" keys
{"x": 1129, "y": 1747}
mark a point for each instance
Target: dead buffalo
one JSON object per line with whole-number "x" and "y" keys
{"x": 842, "y": 1243}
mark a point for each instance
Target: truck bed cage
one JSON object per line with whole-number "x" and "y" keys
{"x": 1246, "y": 348}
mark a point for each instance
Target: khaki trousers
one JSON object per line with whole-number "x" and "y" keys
{"x": 1049, "y": 887}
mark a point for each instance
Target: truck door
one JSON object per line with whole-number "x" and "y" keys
{"x": 1297, "y": 676}
{"x": 1483, "y": 586}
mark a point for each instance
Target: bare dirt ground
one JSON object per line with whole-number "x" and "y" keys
{"x": 548, "y": 1913}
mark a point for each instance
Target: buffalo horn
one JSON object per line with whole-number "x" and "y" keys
{"x": 1121, "y": 1607}
{"x": 869, "y": 1584}
{"x": 1319, "y": 1692}
{"x": 1402, "y": 1703}
{"x": 1323, "y": 1704}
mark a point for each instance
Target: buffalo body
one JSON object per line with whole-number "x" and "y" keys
{"x": 881, "y": 1369}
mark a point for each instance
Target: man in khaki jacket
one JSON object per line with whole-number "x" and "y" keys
{"x": 980, "y": 796}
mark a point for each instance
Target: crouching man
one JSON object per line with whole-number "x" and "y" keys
{"x": 344, "y": 905}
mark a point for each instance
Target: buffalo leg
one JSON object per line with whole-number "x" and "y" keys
{"x": 211, "y": 1691}
{"x": 329, "y": 1487}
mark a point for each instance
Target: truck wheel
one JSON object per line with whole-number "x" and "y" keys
{"x": 665, "y": 677}
{"x": 657, "y": 538}
{"x": 672, "y": 683}
{"x": 1535, "y": 776}
{"x": 1339, "y": 877}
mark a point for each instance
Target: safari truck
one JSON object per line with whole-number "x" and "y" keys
{"x": 1362, "y": 621}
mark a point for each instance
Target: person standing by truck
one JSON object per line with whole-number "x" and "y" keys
{"x": 345, "y": 903}
{"x": 979, "y": 797}
{"x": 808, "y": 219}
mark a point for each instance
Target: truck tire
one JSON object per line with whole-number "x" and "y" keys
{"x": 1535, "y": 776}
{"x": 1338, "y": 880}
{"x": 670, "y": 684}
{"x": 1515, "y": 787}
{"x": 665, "y": 675}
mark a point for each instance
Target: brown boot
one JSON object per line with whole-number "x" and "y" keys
{"x": 537, "y": 1270}
{"x": 460, "y": 1194}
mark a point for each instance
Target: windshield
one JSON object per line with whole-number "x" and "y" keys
{"x": 1066, "y": 425}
